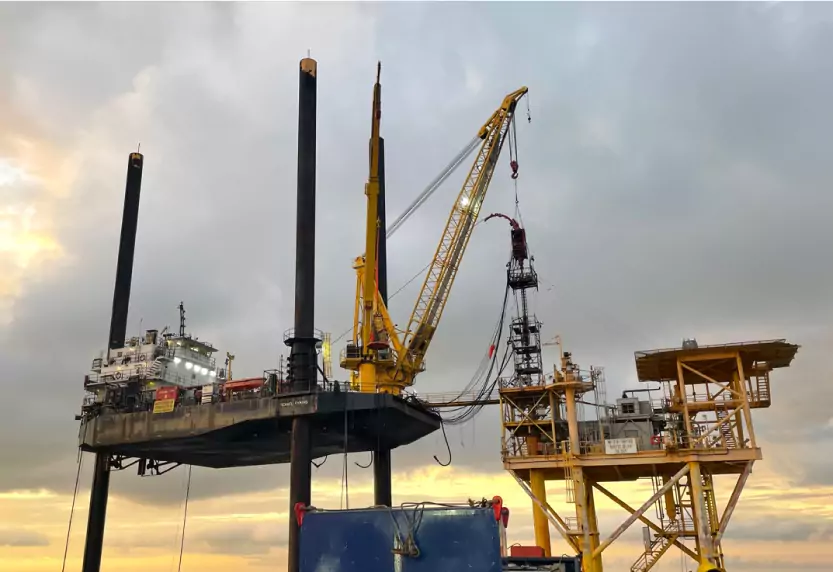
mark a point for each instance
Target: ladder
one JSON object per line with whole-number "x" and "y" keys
{"x": 710, "y": 502}
{"x": 762, "y": 398}
{"x": 659, "y": 506}
{"x": 685, "y": 525}
{"x": 569, "y": 482}
{"x": 713, "y": 515}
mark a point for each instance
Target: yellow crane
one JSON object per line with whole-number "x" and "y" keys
{"x": 326, "y": 356}
{"x": 380, "y": 357}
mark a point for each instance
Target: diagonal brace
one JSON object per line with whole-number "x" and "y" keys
{"x": 733, "y": 501}
{"x": 647, "y": 522}
{"x": 635, "y": 516}
{"x": 724, "y": 387}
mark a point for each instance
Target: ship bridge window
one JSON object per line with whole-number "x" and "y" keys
{"x": 628, "y": 409}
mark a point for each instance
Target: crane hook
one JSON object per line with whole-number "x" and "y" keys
{"x": 514, "y": 166}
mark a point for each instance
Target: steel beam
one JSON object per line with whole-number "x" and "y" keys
{"x": 650, "y": 524}
{"x": 732, "y": 503}
{"x": 640, "y": 511}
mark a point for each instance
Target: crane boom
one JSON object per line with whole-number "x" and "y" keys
{"x": 443, "y": 270}
{"x": 379, "y": 359}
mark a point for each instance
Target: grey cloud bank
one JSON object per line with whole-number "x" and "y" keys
{"x": 674, "y": 182}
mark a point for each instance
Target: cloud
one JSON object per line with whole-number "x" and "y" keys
{"x": 811, "y": 530}
{"x": 244, "y": 540}
{"x": 667, "y": 192}
{"x": 22, "y": 538}
{"x": 250, "y": 529}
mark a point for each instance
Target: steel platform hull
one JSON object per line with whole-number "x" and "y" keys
{"x": 257, "y": 431}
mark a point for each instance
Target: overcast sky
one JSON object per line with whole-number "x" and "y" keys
{"x": 674, "y": 182}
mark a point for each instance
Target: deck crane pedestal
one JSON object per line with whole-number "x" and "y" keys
{"x": 381, "y": 358}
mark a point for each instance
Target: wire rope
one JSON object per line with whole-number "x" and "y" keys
{"x": 184, "y": 518}
{"x": 72, "y": 509}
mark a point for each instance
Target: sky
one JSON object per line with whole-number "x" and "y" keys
{"x": 673, "y": 183}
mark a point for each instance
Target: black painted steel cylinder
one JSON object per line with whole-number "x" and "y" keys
{"x": 303, "y": 366}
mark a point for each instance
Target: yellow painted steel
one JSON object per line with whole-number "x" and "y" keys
{"x": 367, "y": 370}
{"x": 709, "y": 394}
{"x": 387, "y": 360}
{"x": 539, "y": 519}
{"x": 593, "y": 526}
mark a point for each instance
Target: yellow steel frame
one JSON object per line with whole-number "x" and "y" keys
{"x": 722, "y": 385}
{"x": 379, "y": 370}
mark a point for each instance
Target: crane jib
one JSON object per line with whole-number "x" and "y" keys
{"x": 375, "y": 366}
{"x": 440, "y": 277}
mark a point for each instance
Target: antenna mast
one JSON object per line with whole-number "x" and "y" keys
{"x": 181, "y": 319}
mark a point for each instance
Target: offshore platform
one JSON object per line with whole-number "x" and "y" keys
{"x": 160, "y": 400}
{"x": 687, "y": 430}
{"x": 693, "y": 425}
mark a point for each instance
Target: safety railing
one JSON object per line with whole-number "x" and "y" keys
{"x": 290, "y": 335}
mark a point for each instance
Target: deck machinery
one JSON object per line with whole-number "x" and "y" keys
{"x": 694, "y": 429}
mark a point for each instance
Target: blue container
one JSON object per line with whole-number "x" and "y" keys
{"x": 403, "y": 539}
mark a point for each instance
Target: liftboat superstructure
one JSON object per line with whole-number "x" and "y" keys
{"x": 156, "y": 357}
{"x": 131, "y": 375}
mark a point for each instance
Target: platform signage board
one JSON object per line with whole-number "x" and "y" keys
{"x": 166, "y": 392}
{"x": 163, "y": 406}
{"x": 620, "y": 446}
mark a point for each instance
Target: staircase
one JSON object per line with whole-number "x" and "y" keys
{"x": 658, "y": 546}
{"x": 729, "y": 440}
{"x": 155, "y": 369}
{"x": 762, "y": 397}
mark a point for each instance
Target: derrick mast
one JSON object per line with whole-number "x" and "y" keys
{"x": 524, "y": 329}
